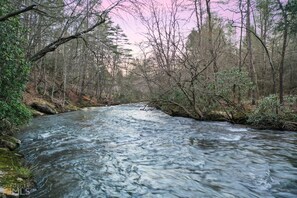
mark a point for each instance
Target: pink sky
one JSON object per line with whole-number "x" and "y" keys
{"x": 134, "y": 29}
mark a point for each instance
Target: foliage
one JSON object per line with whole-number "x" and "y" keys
{"x": 14, "y": 71}
{"x": 288, "y": 112}
{"x": 266, "y": 113}
{"x": 23, "y": 172}
{"x": 176, "y": 95}
{"x": 292, "y": 11}
{"x": 232, "y": 81}
{"x": 16, "y": 175}
{"x": 230, "y": 84}
{"x": 271, "y": 113}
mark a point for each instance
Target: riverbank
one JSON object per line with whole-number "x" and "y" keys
{"x": 16, "y": 177}
{"x": 247, "y": 116}
{"x": 262, "y": 121}
{"x": 121, "y": 151}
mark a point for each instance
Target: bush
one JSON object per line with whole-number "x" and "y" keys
{"x": 233, "y": 81}
{"x": 12, "y": 114}
{"x": 270, "y": 113}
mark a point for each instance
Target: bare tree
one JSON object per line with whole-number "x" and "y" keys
{"x": 283, "y": 52}
{"x": 210, "y": 38}
{"x": 164, "y": 36}
{"x": 18, "y": 12}
{"x": 252, "y": 70}
{"x": 72, "y": 23}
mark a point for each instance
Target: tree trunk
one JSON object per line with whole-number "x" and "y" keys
{"x": 210, "y": 39}
{"x": 240, "y": 46}
{"x": 64, "y": 77}
{"x": 283, "y": 53}
{"x": 54, "y": 75}
{"x": 252, "y": 70}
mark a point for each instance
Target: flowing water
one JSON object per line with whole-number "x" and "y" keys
{"x": 122, "y": 151}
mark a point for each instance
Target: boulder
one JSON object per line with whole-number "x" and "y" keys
{"x": 43, "y": 107}
{"x": 36, "y": 113}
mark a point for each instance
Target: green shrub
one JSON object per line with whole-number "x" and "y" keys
{"x": 232, "y": 81}
{"x": 270, "y": 113}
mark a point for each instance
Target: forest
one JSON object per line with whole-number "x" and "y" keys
{"x": 69, "y": 53}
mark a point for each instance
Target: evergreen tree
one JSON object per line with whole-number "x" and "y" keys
{"x": 14, "y": 71}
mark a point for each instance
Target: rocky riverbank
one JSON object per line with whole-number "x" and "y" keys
{"x": 15, "y": 177}
{"x": 266, "y": 121}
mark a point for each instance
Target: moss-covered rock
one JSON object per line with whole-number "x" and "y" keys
{"x": 43, "y": 107}
{"x": 14, "y": 177}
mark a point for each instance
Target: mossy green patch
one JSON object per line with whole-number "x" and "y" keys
{"x": 12, "y": 172}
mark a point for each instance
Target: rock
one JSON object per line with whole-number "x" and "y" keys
{"x": 70, "y": 107}
{"x": 9, "y": 142}
{"x": 43, "y": 107}
{"x": 10, "y": 145}
{"x": 8, "y": 192}
{"x": 15, "y": 179}
{"x": 20, "y": 179}
{"x": 13, "y": 139}
{"x": 217, "y": 116}
{"x": 36, "y": 113}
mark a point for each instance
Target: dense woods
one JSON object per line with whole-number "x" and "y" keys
{"x": 243, "y": 69}
{"x": 193, "y": 60}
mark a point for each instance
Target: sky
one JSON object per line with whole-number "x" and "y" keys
{"x": 135, "y": 30}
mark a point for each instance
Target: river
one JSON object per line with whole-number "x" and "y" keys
{"x": 122, "y": 151}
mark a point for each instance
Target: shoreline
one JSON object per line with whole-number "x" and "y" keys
{"x": 22, "y": 186}
{"x": 220, "y": 117}
{"x": 16, "y": 178}
{"x": 215, "y": 116}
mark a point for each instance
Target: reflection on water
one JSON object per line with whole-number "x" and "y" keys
{"x": 122, "y": 151}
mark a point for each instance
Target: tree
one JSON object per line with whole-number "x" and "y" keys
{"x": 285, "y": 27}
{"x": 14, "y": 71}
{"x": 210, "y": 38}
{"x": 253, "y": 75}
{"x": 15, "y": 13}
{"x": 165, "y": 40}
{"x": 56, "y": 75}
{"x": 291, "y": 8}
{"x": 69, "y": 20}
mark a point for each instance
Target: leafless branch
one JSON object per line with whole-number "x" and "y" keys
{"x": 15, "y": 13}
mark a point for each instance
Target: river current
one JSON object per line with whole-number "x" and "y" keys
{"x": 122, "y": 151}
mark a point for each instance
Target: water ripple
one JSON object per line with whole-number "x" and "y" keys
{"x": 122, "y": 151}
